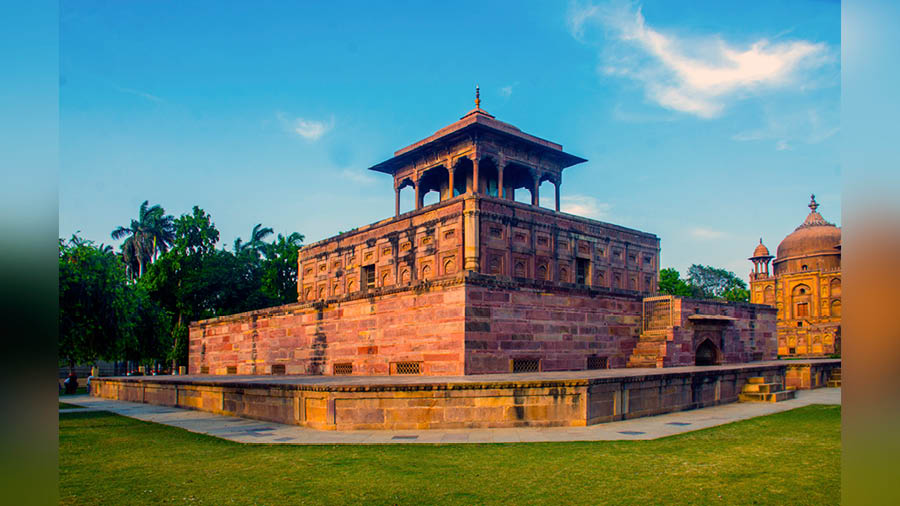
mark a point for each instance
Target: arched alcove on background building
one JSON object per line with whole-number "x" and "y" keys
{"x": 800, "y": 301}
{"x": 769, "y": 295}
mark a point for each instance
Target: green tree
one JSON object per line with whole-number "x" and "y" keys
{"x": 96, "y": 303}
{"x": 194, "y": 280}
{"x": 145, "y": 238}
{"x": 151, "y": 330}
{"x": 279, "y": 278}
{"x": 175, "y": 281}
{"x": 670, "y": 283}
{"x": 737, "y": 294}
{"x": 256, "y": 243}
{"x": 714, "y": 283}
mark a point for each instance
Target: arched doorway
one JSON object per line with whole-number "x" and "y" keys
{"x": 707, "y": 354}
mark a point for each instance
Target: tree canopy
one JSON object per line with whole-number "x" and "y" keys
{"x": 148, "y": 236}
{"x": 704, "y": 282}
{"x": 137, "y": 304}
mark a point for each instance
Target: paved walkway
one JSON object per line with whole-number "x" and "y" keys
{"x": 243, "y": 430}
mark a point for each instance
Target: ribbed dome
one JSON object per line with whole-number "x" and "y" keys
{"x": 761, "y": 250}
{"x": 814, "y": 235}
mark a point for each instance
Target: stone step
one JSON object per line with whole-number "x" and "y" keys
{"x": 779, "y": 396}
{"x": 643, "y": 362}
{"x": 833, "y": 383}
{"x": 756, "y": 380}
{"x": 762, "y": 388}
{"x": 653, "y": 337}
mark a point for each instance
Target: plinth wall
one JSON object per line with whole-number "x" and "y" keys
{"x": 456, "y": 403}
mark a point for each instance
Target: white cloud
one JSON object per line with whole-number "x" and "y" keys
{"x": 706, "y": 233}
{"x": 698, "y": 76}
{"x": 310, "y": 130}
{"x": 782, "y": 145}
{"x": 507, "y": 90}
{"x": 582, "y": 205}
{"x": 578, "y": 15}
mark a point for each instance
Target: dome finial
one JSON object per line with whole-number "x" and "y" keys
{"x": 812, "y": 202}
{"x": 477, "y": 97}
{"x": 760, "y": 240}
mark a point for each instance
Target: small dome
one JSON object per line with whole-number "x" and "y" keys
{"x": 813, "y": 236}
{"x": 761, "y": 250}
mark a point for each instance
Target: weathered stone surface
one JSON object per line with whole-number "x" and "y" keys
{"x": 421, "y": 403}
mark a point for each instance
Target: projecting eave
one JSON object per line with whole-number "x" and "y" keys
{"x": 477, "y": 121}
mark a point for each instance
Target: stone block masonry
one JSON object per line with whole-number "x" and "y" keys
{"x": 534, "y": 400}
{"x": 473, "y": 323}
{"x": 364, "y": 336}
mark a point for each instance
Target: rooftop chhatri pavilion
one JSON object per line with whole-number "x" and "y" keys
{"x": 477, "y": 154}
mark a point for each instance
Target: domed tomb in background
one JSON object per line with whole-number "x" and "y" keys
{"x": 814, "y": 245}
{"x": 805, "y": 286}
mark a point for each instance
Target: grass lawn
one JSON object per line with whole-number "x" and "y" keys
{"x": 66, "y": 405}
{"x": 786, "y": 458}
{"x": 78, "y": 391}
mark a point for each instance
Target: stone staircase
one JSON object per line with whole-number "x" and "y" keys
{"x": 650, "y": 350}
{"x": 834, "y": 381}
{"x": 651, "y": 346}
{"x": 757, "y": 390}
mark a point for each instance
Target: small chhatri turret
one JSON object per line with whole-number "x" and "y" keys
{"x": 760, "y": 259}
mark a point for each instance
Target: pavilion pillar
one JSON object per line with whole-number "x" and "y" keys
{"x": 556, "y": 185}
{"x": 450, "y": 170}
{"x": 500, "y": 191}
{"x": 535, "y": 192}
{"x": 418, "y": 197}
{"x": 475, "y": 185}
{"x": 397, "y": 202}
{"x": 471, "y": 233}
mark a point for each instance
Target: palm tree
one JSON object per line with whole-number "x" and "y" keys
{"x": 148, "y": 236}
{"x": 255, "y": 244}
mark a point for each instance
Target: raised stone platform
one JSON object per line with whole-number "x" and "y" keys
{"x": 575, "y": 398}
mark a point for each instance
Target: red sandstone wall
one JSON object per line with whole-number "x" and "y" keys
{"x": 425, "y": 244}
{"x": 370, "y": 333}
{"x": 562, "y": 329}
{"x": 751, "y": 337}
{"x": 523, "y": 241}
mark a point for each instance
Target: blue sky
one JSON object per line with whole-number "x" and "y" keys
{"x": 706, "y": 123}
